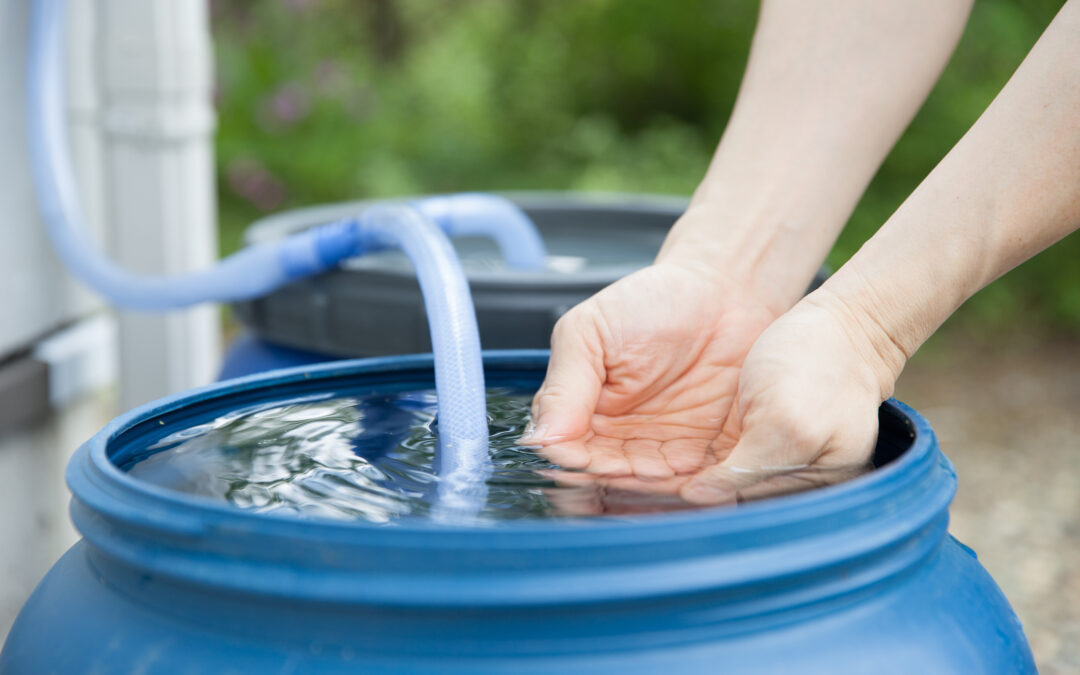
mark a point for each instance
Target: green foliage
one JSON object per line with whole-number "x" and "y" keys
{"x": 324, "y": 100}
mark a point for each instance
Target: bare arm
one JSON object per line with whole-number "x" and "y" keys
{"x": 643, "y": 374}
{"x": 1009, "y": 189}
{"x": 811, "y": 384}
{"x": 829, "y": 87}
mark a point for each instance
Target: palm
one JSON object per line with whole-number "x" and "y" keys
{"x": 669, "y": 346}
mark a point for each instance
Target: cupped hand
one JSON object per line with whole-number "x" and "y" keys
{"x": 805, "y": 414}
{"x": 703, "y": 397}
{"x": 643, "y": 374}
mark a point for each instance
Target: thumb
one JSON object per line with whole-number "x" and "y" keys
{"x": 564, "y": 405}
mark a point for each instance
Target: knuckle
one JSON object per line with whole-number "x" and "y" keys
{"x": 566, "y": 327}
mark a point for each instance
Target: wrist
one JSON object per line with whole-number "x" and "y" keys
{"x": 770, "y": 257}
{"x": 870, "y": 339}
{"x": 915, "y": 271}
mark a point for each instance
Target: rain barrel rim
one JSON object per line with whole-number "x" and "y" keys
{"x": 853, "y": 525}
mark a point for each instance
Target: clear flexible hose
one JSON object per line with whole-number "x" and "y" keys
{"x": 250, "y": 273}
{"x": 463, "y": 460}
{"x": 459, "y": 378}
{"x": 474, "y": 213}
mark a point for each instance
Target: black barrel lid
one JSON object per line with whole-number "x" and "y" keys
{"x": 372, "y": 305}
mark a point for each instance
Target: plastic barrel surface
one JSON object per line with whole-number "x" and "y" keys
{"x": 855, "y": 578}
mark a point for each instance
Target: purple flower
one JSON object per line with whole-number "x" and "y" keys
{"x": 252, "y": 181}
{"x": 290, "y": 103}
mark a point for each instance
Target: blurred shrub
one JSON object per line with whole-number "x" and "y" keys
{"x": 323, "y": 100}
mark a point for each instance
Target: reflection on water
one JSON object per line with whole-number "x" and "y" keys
{"x": 371, "y": 458}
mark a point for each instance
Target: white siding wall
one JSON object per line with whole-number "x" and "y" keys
{"x": 35, "y": 293}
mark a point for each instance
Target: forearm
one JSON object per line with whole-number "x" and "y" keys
{"x": 1010, "y": 188}
{"x": 828, "y": 89}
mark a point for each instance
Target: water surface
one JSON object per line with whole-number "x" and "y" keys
{"x": 369, "y": 458}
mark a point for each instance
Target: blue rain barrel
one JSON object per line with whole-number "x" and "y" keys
{"x": 855, "y": 578}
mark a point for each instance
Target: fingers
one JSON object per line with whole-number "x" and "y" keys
{"x": 582, "y": 500}
{"x": 646, "y": 459}
{"x": 608, "y": 457}
{"x": 578, "y": 479}
{"x": 579, "y": 494}
{"x": 782, "y": 454}
{"x": 563, "y": 407}
{"x": 685, "y": 455}
{"x": 801, "y": 480}
{"x": 746, "y": 465}
{"x": 572, "y": 454}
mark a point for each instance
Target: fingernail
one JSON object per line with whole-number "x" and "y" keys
{"x": 703, "y": 493}
{"x": 533, "y": 433}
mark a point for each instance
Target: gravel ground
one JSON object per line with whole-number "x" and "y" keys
{"x": 1009, "y": 419}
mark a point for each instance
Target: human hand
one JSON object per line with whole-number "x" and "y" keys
{"x": 804, "y": 415}
{"x": 643, "y": 374}
{"x": 806, "y": 410}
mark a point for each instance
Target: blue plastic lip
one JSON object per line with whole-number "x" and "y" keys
{"x": 108, "y": 478}
{"x": 837, "y": 539}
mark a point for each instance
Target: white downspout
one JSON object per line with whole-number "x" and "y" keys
{"x": 158, "y": 170}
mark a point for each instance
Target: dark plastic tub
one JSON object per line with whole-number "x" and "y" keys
{"x": 373, "y": 307}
